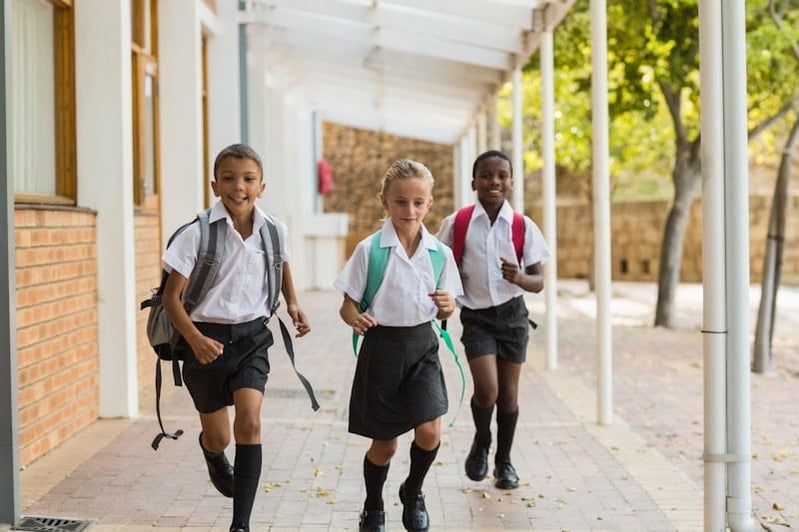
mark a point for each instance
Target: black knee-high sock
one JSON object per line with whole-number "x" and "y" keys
{"x": 374, "y": 477}
{"x": 421, "y": 461}
{"x": 482, "y": 423}
{"x": 246, "y": 473}
{"x": 506, "y": 428}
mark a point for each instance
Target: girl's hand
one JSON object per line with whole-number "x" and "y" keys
{"x": 362, "y": 322}
{"x": 299, "y": 319}
{"x": 510, "y": 271}
{"x": 444, "y": 302}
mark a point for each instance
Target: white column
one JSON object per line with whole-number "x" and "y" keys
{"x": 601, "y": 183}
{"x": 494, "y": 140}
{"x": 180, "y": 112}
{"x": 224, "y": 123}
{"x": 105, "y": 163}
{"x": 518, "y": 149}
{"x": 550, "y": 200}
{"x": 482, "y": 132}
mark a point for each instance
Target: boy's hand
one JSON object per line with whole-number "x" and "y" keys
{"x": 444, "y": 302}
{"x": 299, "y": 319}
{"x": 510, "y": 271}
{"x": 205, "y": 349}
{"x": 362, "y": 323}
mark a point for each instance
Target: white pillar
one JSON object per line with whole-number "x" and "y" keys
{"x": 736, "y": 263}
{"x": 482, "y": 132}
{"x": 224, "y": 117}
{"x": 494, "y": 140}
{"x": 518, "y": 149}
{"x": 601, "y": 184}
{"x": 180, "y": 112}
{"x": 104, "y": 103}
{"x": 546, "y": 53}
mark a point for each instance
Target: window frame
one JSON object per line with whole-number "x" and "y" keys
{"x": 144, "y": 62}
{"x": 66, "y": 183}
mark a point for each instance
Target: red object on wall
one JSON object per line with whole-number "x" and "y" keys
{"x": 325, "y": 177}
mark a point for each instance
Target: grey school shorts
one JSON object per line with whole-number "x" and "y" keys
{"x": 244, "y": 364}
{"x": 502, "y": 330}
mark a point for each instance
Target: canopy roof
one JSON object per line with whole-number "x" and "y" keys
{"x": 416, "y": 68}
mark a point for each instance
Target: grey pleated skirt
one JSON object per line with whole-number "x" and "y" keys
{"x": 398, "y": 383}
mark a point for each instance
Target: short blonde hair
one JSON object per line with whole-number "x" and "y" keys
{"x": 406, "y": 169}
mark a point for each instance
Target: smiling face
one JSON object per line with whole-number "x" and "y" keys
{"x": 407, "y": 200}
{"x": 492, "y": 180}
{"x": 238, "y": 183}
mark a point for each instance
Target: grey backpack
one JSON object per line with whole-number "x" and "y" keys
{"x": 167, "y": 342}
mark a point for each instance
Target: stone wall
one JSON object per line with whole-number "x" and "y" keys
{"x": 358, "y": 159}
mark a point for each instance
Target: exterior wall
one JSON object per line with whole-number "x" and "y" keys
{"x": 57, "y": 347}
{"x": 148, "y": 276}
{"x": 358, "y": 159}
{"x": 636, "y": 232}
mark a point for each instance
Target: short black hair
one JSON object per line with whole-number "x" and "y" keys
{"x": 239, "y": 151}
{"x": 487, "y": 155}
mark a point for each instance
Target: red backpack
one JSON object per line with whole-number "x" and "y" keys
{"x": 462, "y": 219}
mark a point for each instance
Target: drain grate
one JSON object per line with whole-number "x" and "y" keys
{"x": 50, "y": 524}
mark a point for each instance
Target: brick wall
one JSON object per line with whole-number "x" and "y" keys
{"x": 358, "y": 159}
{"x": 636, "y": 233}
{"x": 57, "y": 349}
{"x": 148, "y": 275}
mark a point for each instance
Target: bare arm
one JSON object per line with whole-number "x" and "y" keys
{"x": 358, "y": 321}
{"x": 530, "y": 280}
{"x": 298, "y": 317}
{"x": 205, "y": 349}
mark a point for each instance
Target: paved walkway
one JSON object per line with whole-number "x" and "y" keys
{"x": 642, "y": 472}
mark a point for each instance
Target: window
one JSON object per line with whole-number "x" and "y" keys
{"x": 42, "y": 143}
{"x": 144, "y": 49}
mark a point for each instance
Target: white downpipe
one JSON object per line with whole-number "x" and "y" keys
{"x": 550, "y": 199}
{"x": 713, "y": 278}
{"x": 739, "y": 498}
{"x": 518, "y": 153}
{"x": 601, "y": 184}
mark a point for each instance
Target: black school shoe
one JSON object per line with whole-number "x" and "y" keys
{"x": 239, "y": 527}
{"x": 414, "y": 514}
{"x": 505, "y": 476}
{"x": 372, "y": 521}
{"x": 221, "y": 473}
{"x": 477, "y": 461}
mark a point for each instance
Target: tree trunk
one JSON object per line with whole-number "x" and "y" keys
{"x": 772, "y": 260}
{"x": 686, "y": 177}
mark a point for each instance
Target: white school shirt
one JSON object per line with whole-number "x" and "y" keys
{"x": 485, "y": 244}
{"x": 402, "y": 299}
{"x": 240, "y": 291}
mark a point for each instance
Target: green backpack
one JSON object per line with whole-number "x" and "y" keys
{"x": 378, "y": 257}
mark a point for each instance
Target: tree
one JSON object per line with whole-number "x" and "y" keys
{"x": 783, "y": 15}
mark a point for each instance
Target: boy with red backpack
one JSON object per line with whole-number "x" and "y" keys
{"x": 499, "y": 255}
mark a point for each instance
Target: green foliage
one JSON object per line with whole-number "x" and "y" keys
{"x": 653, "y": 57}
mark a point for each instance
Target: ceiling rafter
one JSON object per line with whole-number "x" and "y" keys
{"x": 420, "y": 68}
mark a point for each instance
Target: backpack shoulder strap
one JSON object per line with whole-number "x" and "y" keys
{"x": 378, "y": 256}
{"x": 517, "y": 235}
{"x": 209, "y": 259}
{"x": 437, "y": 258}
{"x": 462, "y": 218}
{"x": 274, "y": 262}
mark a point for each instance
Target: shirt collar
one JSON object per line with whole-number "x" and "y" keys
{"x": 218, "y": 211}
{"x": 505, "y": 212}
{"x": 389, "y": 238}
